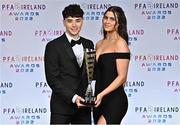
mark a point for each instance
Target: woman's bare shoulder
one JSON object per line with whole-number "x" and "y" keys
{"x": 122, "y": 46}
{"x": 99, "y": 43}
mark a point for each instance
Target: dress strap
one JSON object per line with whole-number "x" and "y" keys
{"x": 122, "y": 55}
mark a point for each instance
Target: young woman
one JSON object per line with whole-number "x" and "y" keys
{"x": 112, "y": 61}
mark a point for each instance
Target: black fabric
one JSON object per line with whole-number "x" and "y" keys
{"x": 114, "y": 105}
{"x": 82, "y": 116}
{"x": 65, "y": 77}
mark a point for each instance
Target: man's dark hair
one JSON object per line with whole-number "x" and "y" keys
{"x": 73, "y": 10}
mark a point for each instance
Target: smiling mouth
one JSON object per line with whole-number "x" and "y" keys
{"x": 107, "y": 26}
{"x": 74, "y": 30}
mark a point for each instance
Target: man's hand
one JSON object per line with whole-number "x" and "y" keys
{"x": 78, "y": 101}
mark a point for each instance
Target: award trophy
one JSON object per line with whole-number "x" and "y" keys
{"x": 90, "y": 56}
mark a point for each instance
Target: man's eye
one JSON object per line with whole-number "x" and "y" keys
{"x": 69, "y": 21}
{"x": 78, "y": 20}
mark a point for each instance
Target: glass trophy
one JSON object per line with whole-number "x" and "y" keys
{"x": 90, "y": 56}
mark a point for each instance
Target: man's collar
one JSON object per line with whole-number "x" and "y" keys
{"x": 70, "y": 37}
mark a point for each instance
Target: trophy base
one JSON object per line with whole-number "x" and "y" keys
{"x": 87, "y": 104}
{"x": 89, "y": 101}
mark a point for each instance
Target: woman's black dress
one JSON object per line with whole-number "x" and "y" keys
{"x": 114, "y": 105}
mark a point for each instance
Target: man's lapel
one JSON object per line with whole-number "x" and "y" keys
{"x": 69, "y": 50}
{"x": 84, "y": 64}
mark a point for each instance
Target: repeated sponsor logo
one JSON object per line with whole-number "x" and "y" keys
{"x": 134, "y": 35}
{"x": 156, "y": 63}
{"x": 5, "y": 34}
{"x": 23, "y": 63}
{"x": 174, "y": 33}
{"x": 156, "y": 114}
{"x": 22, "y": 11}
{"x": 174, "y": 85}
{"x": 43, "y": 88}
{"x": 5, "y": 87}
{"x": 133, "y": 87}
{"x": 153, "y": 10}
{"x": 47, "y": 35}
{"x": 94, "y": 11}
{"x": 23, "y": 115}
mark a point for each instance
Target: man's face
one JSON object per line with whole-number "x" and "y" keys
{"x": 73, "y": 25}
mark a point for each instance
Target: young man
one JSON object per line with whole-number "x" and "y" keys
{"x": 66, "y": 72}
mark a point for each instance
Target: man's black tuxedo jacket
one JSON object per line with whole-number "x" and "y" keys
{"x": 63, "y": 74}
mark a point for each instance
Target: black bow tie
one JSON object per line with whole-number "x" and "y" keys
{"x": 73, "y": 42}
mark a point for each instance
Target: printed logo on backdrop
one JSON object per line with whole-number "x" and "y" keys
{"x": 94, "y": 11}
{"x": 5, "y": 34}
{"x": 5, "y": 87}
{"x": 133, "y": 87}
{"x": 156, "y": 63}
{"x": 43, "y": 88}
{"x": 156, "y": 114}
{"x": 174, "y": 86}
{"x": 134, "y": 35}
{"x": 23, "y": 12}
{"x": 24, "y": 115}
{"x": 47, "y": 35}
{"x": 174, "y": 33}
{"x": 156, "y": 10}
{"x": 23, "y": 64}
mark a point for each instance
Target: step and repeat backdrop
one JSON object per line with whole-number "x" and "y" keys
{"x": 153, "y": 85}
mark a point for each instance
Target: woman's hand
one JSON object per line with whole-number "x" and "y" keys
{"x": 98, "y": 100}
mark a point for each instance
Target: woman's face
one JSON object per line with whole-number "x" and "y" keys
{"x": 109, "y": 22}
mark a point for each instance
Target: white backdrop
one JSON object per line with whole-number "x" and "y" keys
{"x": 153, "y": 85}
